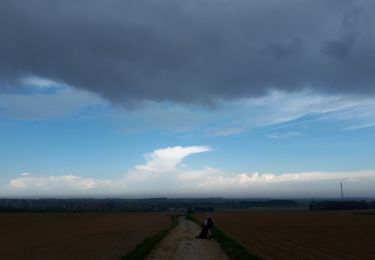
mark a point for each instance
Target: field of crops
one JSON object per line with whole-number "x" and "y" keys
{"x": 301, "y": 234}
{"x": 75, "y": 236}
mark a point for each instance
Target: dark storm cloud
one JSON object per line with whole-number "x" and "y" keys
{"x": 190, "y": 51}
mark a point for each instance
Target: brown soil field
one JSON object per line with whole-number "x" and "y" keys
{"x": 75, "y": 236}
{"x": 301, "y": 234}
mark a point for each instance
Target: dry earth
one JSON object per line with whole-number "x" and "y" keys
{"x": 302, "y": 234}
{"x": 75, "y": 236}
{"x": 181, "y": 244}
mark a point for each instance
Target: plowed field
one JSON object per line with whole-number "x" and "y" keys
{"x": 75, "y": 236}
{"x": 301, "y": 234}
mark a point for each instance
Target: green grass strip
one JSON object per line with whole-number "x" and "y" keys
{"x": 145, "y": 247}
{"x": 231, "y": 247}
{"x": 191, "y": 218}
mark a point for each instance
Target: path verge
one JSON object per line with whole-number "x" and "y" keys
{"x": 231, "y": 247}
{"x": 143, "y": 249}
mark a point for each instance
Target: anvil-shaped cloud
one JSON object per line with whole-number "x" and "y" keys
{"x": 168, "y": 159}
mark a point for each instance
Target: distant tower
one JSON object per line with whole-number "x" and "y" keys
{"x": 342, "y": 191}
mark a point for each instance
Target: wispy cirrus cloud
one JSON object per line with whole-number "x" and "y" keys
{"x": 275, "y": 109}
{"x": 225, "y": 119}
{"x": 285, "y": 135}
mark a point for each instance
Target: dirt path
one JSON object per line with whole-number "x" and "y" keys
{"x": 182, "y": 244}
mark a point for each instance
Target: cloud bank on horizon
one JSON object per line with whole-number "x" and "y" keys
{"x": 165, "y": 174}
{"x": 190, "y": 51}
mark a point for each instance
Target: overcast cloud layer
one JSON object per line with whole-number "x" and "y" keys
{"x": 189, "y": 51}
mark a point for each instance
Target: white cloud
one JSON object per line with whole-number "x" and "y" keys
{"x": 60, "y": 185}
{"x": 162, "y": 169}
{"x": 303, "y": 184}
{"x": 165, "y": 174}
{"x": 38, "y": 82}
{"x": 167, "y": 159}
{"x": 259, "y": 179}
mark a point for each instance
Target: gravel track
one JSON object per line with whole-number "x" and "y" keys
{"x": 182, "y": 244}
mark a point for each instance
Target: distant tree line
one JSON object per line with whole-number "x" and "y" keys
{"x": 342, "y": 204}
{"x": 267, "y": 203}
{"x": 140, "y": 205}
{"x": 114, "y": 205}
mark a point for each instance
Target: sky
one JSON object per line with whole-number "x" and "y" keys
{"x": 208, "y": 98}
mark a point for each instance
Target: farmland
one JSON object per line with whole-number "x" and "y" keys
{"x": 301, "y": 234}
{"x": 75, "y": 236}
